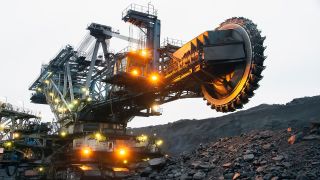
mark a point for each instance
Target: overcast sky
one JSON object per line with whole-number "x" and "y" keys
{"x": 32, "y": 31}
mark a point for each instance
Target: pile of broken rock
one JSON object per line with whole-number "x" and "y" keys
{"x": 264, "y": 155}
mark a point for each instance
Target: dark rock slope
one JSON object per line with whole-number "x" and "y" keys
{"x": 186, "y": 135}
{"x": 261, "y": 155}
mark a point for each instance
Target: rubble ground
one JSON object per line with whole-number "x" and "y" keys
{"x": 259, "y": 155}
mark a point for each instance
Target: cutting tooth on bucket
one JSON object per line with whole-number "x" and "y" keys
{"x": 229, "y": 84}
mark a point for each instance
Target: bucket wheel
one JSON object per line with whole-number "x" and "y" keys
{"x": 226, "y": 87}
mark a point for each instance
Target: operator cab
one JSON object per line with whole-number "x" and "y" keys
{"x": 134, "y": 67}
{"x": 135, "y": 62}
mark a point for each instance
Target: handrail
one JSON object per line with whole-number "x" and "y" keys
{"x": 144, "y": 9}
{"x": 14, "y": 108}
{"x": 171, "y": 41}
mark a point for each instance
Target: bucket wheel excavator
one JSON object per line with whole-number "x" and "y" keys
{"x": 227, "y": 85}
{"x": 94, "y": 92}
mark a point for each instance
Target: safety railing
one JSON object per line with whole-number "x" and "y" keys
{"x": 171, "y": 41}
{"x": 178, "y": 66}
{"x": 13, "y": 108}
{"x": 144, "y": 9}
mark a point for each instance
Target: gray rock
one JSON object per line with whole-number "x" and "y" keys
{"x": 228, "y": 176}
{"x": 263, "y": 162}
{"x": 185, "y": 177}
{"x": 248, "y": 157}
{"x": 286, "y": 164}
{"x": 142, "y": 165}
{"x": 170, "y": 175}
{"x": 178, "y": 174}
{"x": 146, "y": 171}
{"x": 266, "y": 146}
{"x": 215, "y": 159}
{"x": 232, "y": 149}
{"x": 199, "y": 175}
{"x": 265, "y": 134}
{"x": 153, "y": 175}
{"x": 260, "y": 169}
{"x": 274, "y": 168}
{"x": 157, "y": 161}
{"x": 205, "y": 166}
{"x": 195, "y": 164}
{"x": 226, "y": 165}
{"x": 191, "y": 172}
{"x": 267, "y": 176}
{"x": 311, "y": 137}
{"x": 278, "y": 158}
{"x": 205, "y": 154}
{"x": 174, "y": 171}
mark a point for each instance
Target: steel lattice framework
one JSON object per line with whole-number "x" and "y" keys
{"x": 223, "y": 66}
{"x": 13, "y": 119}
